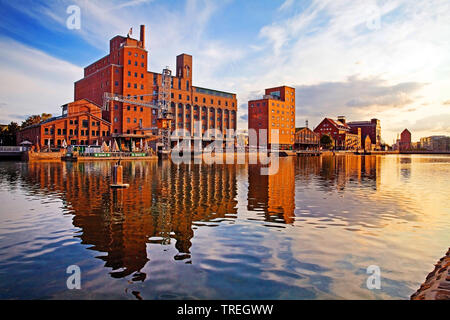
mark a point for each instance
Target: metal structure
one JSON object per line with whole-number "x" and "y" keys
{"x": 164, "y": 119}
{"x": 164, "y": 113}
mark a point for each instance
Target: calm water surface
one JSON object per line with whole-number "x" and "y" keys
{"x": 224, "y": 231}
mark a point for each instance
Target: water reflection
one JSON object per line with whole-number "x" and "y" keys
{"x": 308, "y": 231}
{"x": 162, "y": 205}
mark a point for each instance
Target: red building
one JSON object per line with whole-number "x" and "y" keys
{"x": 370, "y": 128}
{"x": 81, "y": 123}
{"x": 344, "y": 137}
{"x": 275, "y": 111}
{"x": 123, "y": 73}
{"x": 404, "y": 143}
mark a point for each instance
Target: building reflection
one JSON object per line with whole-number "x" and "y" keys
{"x": 273, "y": 195}
{"x": 162, "y": 204}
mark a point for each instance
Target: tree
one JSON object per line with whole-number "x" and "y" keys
{"x": 8, "y": 134}
{"x": 326, "y": 141}
{"x": 36, "y": 119}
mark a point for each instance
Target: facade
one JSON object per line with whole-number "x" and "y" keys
{"x": 306, "y": 139}
{"x": 124, "y": 72}
{"x": 81, "y": 123}
{"x": 345, "y": 138}
{"x": 273, "y": 117}
{"x": 404, "y": 144}
{"x": 435, "y": 143}
{"x": 370, "y": 128}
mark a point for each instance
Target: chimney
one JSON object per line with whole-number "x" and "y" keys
{"x": 142, "y": 37}
{"x": 342, "y": 119}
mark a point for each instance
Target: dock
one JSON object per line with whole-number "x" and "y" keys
{"x": 308, "y": 153}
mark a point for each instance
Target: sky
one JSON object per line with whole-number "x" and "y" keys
{"x": 387, "y": 59}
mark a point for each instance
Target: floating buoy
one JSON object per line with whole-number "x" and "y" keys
{"x": 118, "y": 177}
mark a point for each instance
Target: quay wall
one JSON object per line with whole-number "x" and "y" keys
{"x": 437, "y": 283}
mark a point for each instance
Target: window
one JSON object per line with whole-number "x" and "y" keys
{"x": 196, "y": 99}
{"x": 115, "y": 119}
{"x": 204, "y": 100}
{"x": 129, "y": 53}
{"x": 179, "y": 96}
{"x": 135, "y": 74}
{"x": 135, "y": 64}
{"x": 179, "y": 84}
{"x": 116, "y": 107}
{"x": 129, "y": 85}
{"x": 129, "y": 73}
{"x": 128, "y": 120}
{"x": 71, "y": 121}
{"x": 129, "y": 61}
{"x": 116, "y": 83}
{"x": 142, "y": 65}
{"x": 187, "y": 85}
{"x": 142, "y": 86}
{"x": 135, "y": 85}
{"x": 128, "y": 108}
{"x": 93, "y": 133}
{"x": 135, "y": 120}
{"x": 85, "y": 123}
{"x": 142, "y": 109}
{"x": 135, "y": 108}
{"x": 71, "y": 132}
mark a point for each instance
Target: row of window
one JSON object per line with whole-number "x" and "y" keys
{"x": 72, "y": 132}
{"x": 136, "y": 63}
{"x": 136, "y": 55}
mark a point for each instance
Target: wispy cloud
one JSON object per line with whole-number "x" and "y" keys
{"x": 33, "y": 87}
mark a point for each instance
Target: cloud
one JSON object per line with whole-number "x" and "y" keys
{"x": 244, "y": 117}
{"x": 286, "y": 5}
{"x": 356, "y": 98}
{"x": 446, "y": 103}
{"x": 33, "y": 82}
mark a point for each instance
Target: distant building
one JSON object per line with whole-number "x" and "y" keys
{"x": 404, "y": 144}
{"x": 345, "y": 138}
{"x": 435, "y": 143}
{"x": 368, "y": 146}
{"x": 370, "y": 128}
{"x": 275, "y": 111}
{"x": 306, "y": 139}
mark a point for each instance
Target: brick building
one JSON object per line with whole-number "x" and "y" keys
{"x": 306, "y": 139}
{"x": 370, "y": 128}
{"x": 81, "y": 123}
{"x": 123, "y": 71}
{"x": 404, "y": 143}
{"x": 275, "y": 111}
{"x": 344, "y": 137}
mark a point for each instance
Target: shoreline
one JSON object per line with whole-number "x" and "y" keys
{"x": 437, "y": 283}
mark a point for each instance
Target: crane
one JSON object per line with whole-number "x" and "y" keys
{"x": 164, "y": 120}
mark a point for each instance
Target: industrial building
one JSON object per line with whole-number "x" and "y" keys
{"x": 273, "y": 118}
{"x": 136, "y": 104}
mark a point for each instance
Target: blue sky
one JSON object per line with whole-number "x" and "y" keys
{"x": 386, "y": 59}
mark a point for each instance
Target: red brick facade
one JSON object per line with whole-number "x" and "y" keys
{"x": 81, "y": 123}
{"x": 341, "y": 133}
{"x": 275, "y": 111}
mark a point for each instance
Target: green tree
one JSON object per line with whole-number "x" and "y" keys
{"x": 326, "y": 141}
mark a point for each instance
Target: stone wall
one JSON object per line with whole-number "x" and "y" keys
{"x": 437, "y": 283}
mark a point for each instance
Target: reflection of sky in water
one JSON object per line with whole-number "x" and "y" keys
{"x": 224, "y": 232}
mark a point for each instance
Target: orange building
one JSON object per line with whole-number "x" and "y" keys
{"x": 124, "y": 72}
{"x": 274, "y": 113}
{"x": 81, "y": 122}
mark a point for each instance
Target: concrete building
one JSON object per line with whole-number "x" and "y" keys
{"x": 370, "y": 128}
{"x": 124, "y": 72}
{"x": 273, "y": 118}
{"x": 344, "y": 137}
{"x": 435, "y": 143}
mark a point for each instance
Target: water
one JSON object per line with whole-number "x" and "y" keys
{"x": 224, "y": 231}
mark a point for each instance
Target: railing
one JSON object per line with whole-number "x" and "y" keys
{"x": 12, "y": 149}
